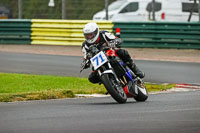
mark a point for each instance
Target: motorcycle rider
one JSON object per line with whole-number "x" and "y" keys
{"x": 93, "y": 37}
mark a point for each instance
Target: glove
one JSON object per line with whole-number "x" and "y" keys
{"x": 115, "y": 43}
{"x": 118, "y": 41}
{"x": 112, "y": 44}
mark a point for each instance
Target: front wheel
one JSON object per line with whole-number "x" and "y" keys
{"x": 114, "y": 88}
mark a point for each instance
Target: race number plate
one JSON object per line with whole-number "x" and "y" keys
{"x": 98, "y": 60}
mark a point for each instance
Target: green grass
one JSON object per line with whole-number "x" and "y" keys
{"x": 158, "y": 87}
{"x": 22, "y": 87}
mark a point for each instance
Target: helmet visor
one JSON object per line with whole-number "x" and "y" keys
{"x": 90, "y": 36}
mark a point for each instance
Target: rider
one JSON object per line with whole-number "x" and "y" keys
{"x": 93, "y": 37}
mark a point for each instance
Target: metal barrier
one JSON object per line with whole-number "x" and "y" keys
{"x": 69, "y": 32}
{"x": 159, "y": 34}
{"x": 62, "y": 32}
{"x": 15, "y": 31}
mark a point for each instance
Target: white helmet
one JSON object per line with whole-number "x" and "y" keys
{"x": 91, "y": 32}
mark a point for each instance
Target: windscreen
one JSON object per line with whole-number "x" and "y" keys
{"x": 116, "y": 5}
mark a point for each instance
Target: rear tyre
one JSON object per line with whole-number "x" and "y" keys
{"x": 113, "y": 88}
{"x": 142, "y": 92}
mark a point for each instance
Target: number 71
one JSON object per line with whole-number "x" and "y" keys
{"x": 97, "y": 59}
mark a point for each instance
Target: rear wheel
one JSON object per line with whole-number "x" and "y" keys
{"x": 114, "y": 88}
{"x": 142, "y": 91}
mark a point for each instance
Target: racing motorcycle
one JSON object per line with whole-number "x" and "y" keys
{"x": 118, "y": 79}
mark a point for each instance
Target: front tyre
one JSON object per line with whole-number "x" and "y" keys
{"x": 113, "y": 88}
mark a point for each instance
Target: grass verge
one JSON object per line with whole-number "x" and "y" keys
{"x": 23, "y": 87}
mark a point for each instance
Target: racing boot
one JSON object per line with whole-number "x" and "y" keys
{"x": 135, "y": 69}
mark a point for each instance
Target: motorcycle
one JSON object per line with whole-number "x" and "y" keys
{"x": 118, "y": 79}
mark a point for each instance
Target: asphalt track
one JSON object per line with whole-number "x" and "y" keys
{"x": 162, "y": 113}
{"x": 156, "y": 71}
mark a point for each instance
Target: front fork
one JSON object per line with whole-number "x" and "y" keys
{"x": 110, "y": 70}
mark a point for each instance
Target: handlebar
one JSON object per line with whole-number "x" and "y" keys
{"x": 83, "y": 64}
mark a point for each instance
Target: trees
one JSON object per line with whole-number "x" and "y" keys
{"x": 39, "y": 9}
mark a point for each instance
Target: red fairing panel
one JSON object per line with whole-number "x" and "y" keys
{"x": 111, "y": 52}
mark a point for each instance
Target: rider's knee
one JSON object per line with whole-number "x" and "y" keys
{"x": 93, "y": 78}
